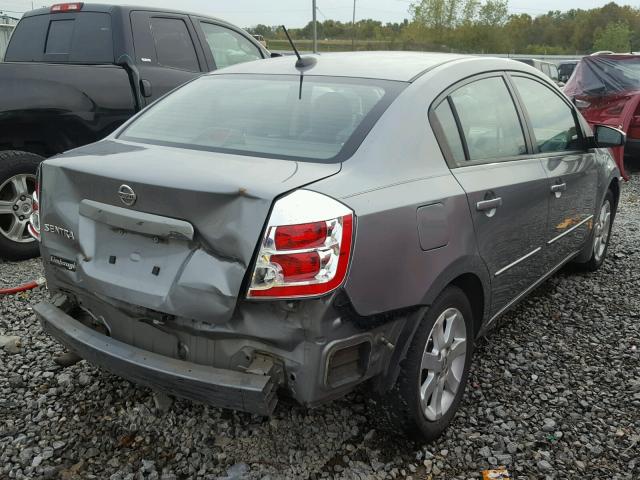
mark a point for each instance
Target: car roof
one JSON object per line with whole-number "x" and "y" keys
{"x": 399, "y": 66}
{"x": 110, "y": 8}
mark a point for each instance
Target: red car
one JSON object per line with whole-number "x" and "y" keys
{"x": 606, "y": 89}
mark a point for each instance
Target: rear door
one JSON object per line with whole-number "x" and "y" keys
{"x": 507, "y": 189}
{"x": 167, "y": 51}
{"x": 573, "y": 177}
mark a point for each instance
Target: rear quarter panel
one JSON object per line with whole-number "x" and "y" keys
{"x": 398, "y": 170}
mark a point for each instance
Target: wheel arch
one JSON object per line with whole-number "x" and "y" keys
{"x": 469, "y": 273}
{"x": 40, "y": 138}
{"x": 614, "y": 186}
{"x": 472, "y": 287}
{"x": 474, "y": 283}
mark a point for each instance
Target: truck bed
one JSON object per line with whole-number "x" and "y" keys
{"x": 47, "y": 108}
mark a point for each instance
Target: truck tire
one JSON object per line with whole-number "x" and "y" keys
{"x": 17, "y": 183}
{"x": 434, "y": 373}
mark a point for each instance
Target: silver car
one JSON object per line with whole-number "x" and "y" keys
{"x": 273, "y": 229}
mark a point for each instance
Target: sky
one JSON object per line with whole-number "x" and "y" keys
{"x": 297, "y": 13}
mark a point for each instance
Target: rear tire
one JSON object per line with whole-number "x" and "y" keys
{"x": 601, "y": 234}
{"x": 433, "y": 376}
{"x": 17, "y": 182}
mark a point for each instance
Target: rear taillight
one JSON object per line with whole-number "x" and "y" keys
{"x": 66, "y": 7}
{"x": 34, "y": 220}
{"x": 306, "y": 248}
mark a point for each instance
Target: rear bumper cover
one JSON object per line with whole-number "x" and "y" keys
{"x": 214, "y": 386}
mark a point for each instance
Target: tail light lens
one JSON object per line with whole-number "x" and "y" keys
{"x": 306, "y": 248}
{"x": 34, "y": 220}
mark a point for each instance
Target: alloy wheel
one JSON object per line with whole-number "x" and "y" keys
{"x": 16, "y": 206}
{"x": 601, "y": 234}
{"x": 443, "y": 363}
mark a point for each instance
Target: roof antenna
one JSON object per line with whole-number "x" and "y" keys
{"x": 303, "y": 62}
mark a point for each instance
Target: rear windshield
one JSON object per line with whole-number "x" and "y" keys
{"x": 83, "y": 37}
{"x": 280, "y": 116}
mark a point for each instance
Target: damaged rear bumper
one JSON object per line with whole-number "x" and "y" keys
{"x": 214, "y": 386}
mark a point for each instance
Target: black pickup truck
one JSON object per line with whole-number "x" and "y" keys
{"x": 74, "y": 72}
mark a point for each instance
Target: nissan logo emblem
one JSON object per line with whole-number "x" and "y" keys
{"x": 127, "y": 195}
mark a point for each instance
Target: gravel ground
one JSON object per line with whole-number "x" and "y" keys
{"x": 554, "y": 393}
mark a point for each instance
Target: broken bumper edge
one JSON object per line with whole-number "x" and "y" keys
{"x": 214, "y": 386}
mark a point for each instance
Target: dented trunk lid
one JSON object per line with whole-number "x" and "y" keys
{"x": 184, "y": 246}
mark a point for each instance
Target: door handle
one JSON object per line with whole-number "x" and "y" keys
{"x": 559, "y": 187}
{"x": 489, "y": 204}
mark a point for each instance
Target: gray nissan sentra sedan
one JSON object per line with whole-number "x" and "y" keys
{"x": 271, "y": 230}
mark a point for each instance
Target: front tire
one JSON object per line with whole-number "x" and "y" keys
{"x": 599, "y": 243}
{"x": 17, "y": 183}
{"x": 433, "y": 376}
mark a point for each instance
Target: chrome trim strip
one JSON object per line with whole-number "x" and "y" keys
{"x": 535, "y": 285}
{"x": 567, "y": 232}
{"x": 511, "y": 265}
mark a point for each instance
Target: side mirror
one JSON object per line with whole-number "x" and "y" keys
{"x": 581, "y": 104}
{"x": 275, "y": 55}
{"x": 609, "y": 137}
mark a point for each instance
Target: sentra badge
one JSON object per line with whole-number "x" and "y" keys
{"x": 63, "y": 232}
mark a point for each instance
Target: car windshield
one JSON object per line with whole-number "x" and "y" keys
{"x": 321, "y": 119}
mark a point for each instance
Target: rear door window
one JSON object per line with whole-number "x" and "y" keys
{"x": 227, "y": 46}
{"x": 489, "y": 121}
{"x": 173, "y": 44}
{"x": 60, "y": 36}
{"x": 83, "y": 37}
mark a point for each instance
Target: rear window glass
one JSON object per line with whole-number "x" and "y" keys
{"x": 83, "y": 37}
{"x": 321, "y": 119}
{"x": 60, "y": 36}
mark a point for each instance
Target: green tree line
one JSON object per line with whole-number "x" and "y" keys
{"x": 475, "y": 26}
